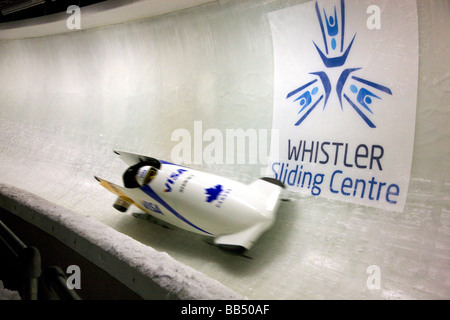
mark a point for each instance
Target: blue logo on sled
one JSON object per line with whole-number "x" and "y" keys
{"x": 152, "y": 207}
{"x": 359, "y": 93}
{"x": 213, "y": 193}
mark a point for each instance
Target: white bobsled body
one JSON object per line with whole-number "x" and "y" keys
{"x": 235, "y": 214}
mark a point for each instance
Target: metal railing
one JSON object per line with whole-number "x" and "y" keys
{"x": 26, "y": 261}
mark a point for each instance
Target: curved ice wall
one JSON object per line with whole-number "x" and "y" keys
{"x": 66, "y": 101}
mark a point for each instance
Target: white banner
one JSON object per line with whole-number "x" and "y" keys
{"x": 345, "y": 97}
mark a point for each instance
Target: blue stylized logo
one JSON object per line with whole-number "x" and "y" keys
{"x": 359, "y": 93}
{"x": 213, "y": 193}
{"x": 152, "y": 207}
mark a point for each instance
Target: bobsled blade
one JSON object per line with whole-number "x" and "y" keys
{"x": 149, "y": 218}
{"x": 240, "y": 251}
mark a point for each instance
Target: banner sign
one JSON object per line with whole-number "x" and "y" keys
{"x": 345, "y": 98}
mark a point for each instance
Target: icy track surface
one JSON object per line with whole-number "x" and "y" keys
{"x": 66, "y": 101}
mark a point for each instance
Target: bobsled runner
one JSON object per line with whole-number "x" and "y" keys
{"x": 234, "y": 214}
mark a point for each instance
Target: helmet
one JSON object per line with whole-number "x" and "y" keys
{"x": 145, "y": 174}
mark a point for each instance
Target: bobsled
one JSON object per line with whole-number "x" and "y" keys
{"x": 234, "y": 214}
